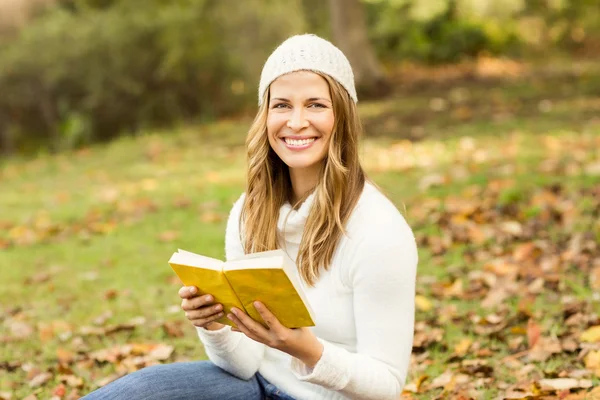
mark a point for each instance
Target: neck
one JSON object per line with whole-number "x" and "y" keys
{"x": 303, "y": 182}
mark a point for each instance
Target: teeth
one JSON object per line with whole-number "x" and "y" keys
{"x": 293, "y": 142}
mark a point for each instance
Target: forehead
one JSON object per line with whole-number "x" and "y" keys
{"x": 300, "y": 84}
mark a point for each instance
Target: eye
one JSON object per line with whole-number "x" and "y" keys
{"x": 317, "y": 105}
{"x": 279, "y": 105}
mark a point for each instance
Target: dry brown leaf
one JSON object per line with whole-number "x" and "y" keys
{"x": 161, "y": 352}
{"x": 38, "y": 278}
{"x": 595, "y": 278}
{"x": 211, "y": 217}
{"x": 59, "y": 391}
{"x": 40, "y": 379}
{"x": 106, "y": 380}
{"x": 65, "y": 356}
{"x": 173, "y": 328}
{"x": 526, "y": 251}
{"x": 441, "y": 380}
{"x": 168, "y": 236}
{"x": 533, "y": 333}
{"x": 18, "y": 329}
{"x": 544, "y": 348}
{"x": 517, "y": 395}
{"x": 72, "y": 381}
{"x": 564, "y": 384}
{"x": 111, "y": 294}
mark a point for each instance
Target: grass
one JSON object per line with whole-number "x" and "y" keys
{"x": 86, "y": 234}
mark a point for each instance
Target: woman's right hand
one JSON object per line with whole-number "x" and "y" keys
{"x": 200, "y": 310}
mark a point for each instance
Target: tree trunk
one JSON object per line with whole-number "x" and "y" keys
{"x": 349, "y": 31}
{"x": 6, "y": 145}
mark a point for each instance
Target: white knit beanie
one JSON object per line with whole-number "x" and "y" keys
{"x": 307, "y": 52}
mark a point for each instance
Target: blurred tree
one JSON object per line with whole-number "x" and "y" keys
{"x": 349, "y": 29}
{"x": 316, "y": 14}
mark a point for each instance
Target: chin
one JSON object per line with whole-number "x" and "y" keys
{"x": 300, "y": 164}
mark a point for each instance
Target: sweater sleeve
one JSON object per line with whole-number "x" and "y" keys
{"x": 233, "y": 351}
{"x": 381, "y": 273}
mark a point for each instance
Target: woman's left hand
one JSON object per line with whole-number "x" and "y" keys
{"x": 300, "y": 343}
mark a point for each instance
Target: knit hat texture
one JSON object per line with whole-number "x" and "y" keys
{"x": 311, "y": 53}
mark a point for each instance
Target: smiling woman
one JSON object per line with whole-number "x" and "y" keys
{"x": 306, "y": 193}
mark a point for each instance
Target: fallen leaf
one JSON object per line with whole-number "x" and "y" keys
{"x": 564, "y": 384}
{"x": 111, "y": 294}
{"x": 106, "y": 380}
{"x": 40, "y": 379}
{"x": 65, "y": 356}
{"x": 173, "y": 328}
{"x": 463, "y": 347}
{"x": 591, "y": 335}
{"x": 533, "y": 333}
{"x": 59, "y": 391}
{"x": 595, "y": 278}
{"x": 211, "y": 217}
{"x": 168, "y": 236}
{"x": 423, "y": 303}
{"x": 517, "y": 395}
{"x": 592, "y": 362}
{"x": 544, "y": 348}
{"x": 161, "y": 352}
{"x": 72, "y": 381}
{"x": 19, "y": 329}
{"x": 38, "y": 278}
{"x": 415, "y": 386}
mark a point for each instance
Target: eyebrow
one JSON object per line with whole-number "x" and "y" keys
{"x": 311, "y": 99}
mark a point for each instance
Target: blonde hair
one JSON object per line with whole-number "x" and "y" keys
{"x": 268, "y": 187}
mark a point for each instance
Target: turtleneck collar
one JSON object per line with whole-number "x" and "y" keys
{"x": 291, "y": 222}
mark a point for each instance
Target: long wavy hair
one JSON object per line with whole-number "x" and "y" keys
{"x": 268, "y": 187}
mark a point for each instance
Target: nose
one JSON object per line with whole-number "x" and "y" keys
{"x": 297, "y": 120}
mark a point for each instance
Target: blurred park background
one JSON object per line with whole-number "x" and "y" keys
{"x": 122, "y": 125}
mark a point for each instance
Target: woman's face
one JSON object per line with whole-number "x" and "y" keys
{"x": 300, "y": 119}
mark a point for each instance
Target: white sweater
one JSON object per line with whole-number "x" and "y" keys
{"x": 364, "y": 306}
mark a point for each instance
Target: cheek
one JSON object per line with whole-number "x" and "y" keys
{"x": 324, "y": 123}
{"x": 274, "y": 124}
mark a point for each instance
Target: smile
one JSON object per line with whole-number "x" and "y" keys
{"x": 299, "y": 144}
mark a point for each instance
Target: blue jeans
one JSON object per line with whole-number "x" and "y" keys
{"x": 199, "y": 380}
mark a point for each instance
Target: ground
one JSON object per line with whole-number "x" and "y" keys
{"x": 498, "y": 173}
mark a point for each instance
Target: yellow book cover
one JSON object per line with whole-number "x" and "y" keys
{"x": 268, "y": 277}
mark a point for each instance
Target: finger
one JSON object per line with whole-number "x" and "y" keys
{"x": 267, "y": 316}
{"x": 203, "y": 312}
{"x": 205, "y": 321}
{"x": 187, "y": 292}
{"x": 196, "y": 302}
{"x": 252, "y": 325}
{"x": 243, "y": 328}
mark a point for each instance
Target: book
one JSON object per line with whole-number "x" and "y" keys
{"x": 269, "y": 277}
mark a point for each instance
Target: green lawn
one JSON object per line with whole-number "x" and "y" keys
{"x": 501, "y": 186}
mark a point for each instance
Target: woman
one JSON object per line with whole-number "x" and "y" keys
{"x": 306, "y": 193}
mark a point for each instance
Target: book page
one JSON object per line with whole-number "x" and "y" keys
{"x": 196, "y": 260}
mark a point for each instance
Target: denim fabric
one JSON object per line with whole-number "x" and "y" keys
{"x": 271, "y": 391}
{"x": 200, "y": 380}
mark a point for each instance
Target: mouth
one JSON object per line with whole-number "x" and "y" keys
{"x": 299, "y": 144}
